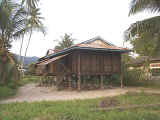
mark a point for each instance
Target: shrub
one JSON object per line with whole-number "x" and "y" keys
{"x": 9, "y": 73}
{"x": 29, "y": 79}
{"x": 135, "y": 77}
{"x": 114, "y": 80}
{"x": 6, "y": 91}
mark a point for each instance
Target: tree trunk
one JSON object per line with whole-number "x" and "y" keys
{"x": 20, "y": 51}
{"x": 27, "y": 48}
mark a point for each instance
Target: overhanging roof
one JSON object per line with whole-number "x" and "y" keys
{"x": 87, "y": 45}
{"x": 45, "y": 62}
{"x": 142, "y": 59}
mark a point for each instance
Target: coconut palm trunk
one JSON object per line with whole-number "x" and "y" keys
{"x": 20, "y": 57}
{"x": 20, "y": 51}
{"x": 28, "y": 44}
{"x": 27, "y": 49}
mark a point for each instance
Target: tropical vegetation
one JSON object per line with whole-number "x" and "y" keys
{"x": 145, "y": 35}
{"x": 65, "y": 42}
{"x": 85, "y": 109}
{"x": 17, "y": 19}
{"x": 12, "y": 23}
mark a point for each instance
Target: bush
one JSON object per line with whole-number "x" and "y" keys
{"x": 134, "y": 77}
{"x": 29, "y": 79}
{"x": 6, "y": 91}
{"x": 115, "y": 80}
{"x": 8, "y": 68}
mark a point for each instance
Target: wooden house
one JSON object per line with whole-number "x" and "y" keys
{"x": 92, "y": 57}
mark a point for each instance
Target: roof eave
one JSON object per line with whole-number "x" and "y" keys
{"x": 83, "y": 48}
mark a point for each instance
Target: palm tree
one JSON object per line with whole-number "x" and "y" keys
{"x": 12, "y": 25}
{"x": 29, "y": 5}
{"x": 65, "y": 42}
{"x": 142, "y": 5}
{"x": 145, "y": 35}
{"x": 148, "y": 28}
{"x": 34, "y": 23}
{"x": 12, "y": 22}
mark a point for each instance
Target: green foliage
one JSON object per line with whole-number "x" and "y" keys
{"x": 143, "y": 5}
{"x": 16, "y": 19}
{"x": 8, "y": 69}
{"x": 126, "y": 58}
{"x": 137, "y": 78}
{"x": 6, "y": 91}
{"x": 29, "y": 79}
{"x": 34, "y": 21}
{"x": 31, "y": 70}
{"x": 82, "y": 109}
{"x": 12, "y": 22}
{"x": 9, "y": 75}
{"x": 144, "y": 35}
{"x": 115, "y": 80}
{"x": 65, "y": 42}
{"x": 133, "y": 77}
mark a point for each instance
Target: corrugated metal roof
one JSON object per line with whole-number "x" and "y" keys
{"x": 99, "y": 46}
{"x": 45, "y": 62}
{"x": 96, "y": 38}
{"x": 89, "y": 45}
{"x": 142, "y": 59}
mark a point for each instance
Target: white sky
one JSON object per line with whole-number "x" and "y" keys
{"x": 84, "y": 19}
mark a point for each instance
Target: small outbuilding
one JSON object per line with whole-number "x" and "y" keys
{"x": 94, "y": 57}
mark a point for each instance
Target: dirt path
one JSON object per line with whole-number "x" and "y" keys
{"x": 32, "y": 93}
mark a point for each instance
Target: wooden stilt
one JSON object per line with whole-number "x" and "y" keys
{"x": 79, "y": 82}
{"x": 40, "y": 84}
{"x": 79, "y": 72}
{"x": 84, "y": 80}
{"x": 69, "y": 82}
{"x": 121, "y": 78}
{"x": 102, "y": 82}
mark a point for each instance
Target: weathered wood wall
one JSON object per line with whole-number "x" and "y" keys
{"x": 97, "y": 63}
{"x": 87, "y": 63}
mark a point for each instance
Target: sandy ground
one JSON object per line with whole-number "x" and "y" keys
{"x": 31, "y": 93}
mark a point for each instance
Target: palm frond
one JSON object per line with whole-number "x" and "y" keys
{"x": 144, "y": 36}
{"x": 151, "y": 25}
{"x": 31, "y": 4}
{"x": 142, "y": 5}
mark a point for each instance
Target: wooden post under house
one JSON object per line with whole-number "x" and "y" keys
{"x": 102, "y": 82}
{"x": 121, "y": 75}
{"x": 70, "y": 82}
{"x": 79, "y": 72}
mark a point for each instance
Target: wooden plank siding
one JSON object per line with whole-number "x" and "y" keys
{"x": 88, "y": 63}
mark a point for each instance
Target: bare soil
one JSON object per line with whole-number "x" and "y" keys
{"x": 31, "y": 93}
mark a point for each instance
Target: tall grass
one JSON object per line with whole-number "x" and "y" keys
{"x": 82, "y": 109}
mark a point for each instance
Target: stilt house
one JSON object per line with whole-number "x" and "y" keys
{"x": 89, "y": 58}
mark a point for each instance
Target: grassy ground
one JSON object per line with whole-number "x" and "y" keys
{"x": 154, "y": 84}
{"x": 82, "y": 109}
{"x": 10, "y": 89}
